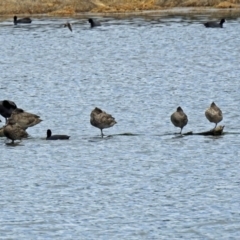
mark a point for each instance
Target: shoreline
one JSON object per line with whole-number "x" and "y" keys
{"x": 174, "y": 10}
{"x": 112, "y": 7}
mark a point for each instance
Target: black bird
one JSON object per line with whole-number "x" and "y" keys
{"x": 94, "y": 23}
{"x": 56, "y": 137}
{"x": 6, "y": 108}
{"x": 69, "y": 25}
{"x": 215, "y": 24}
{"x": 22, "y": 20}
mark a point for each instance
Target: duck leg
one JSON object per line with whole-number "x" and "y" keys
{"x": 214, "y": 127}
{"x": 101, "y": 133}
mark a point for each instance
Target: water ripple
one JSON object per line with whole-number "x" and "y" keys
{"x": 142, "y": 181}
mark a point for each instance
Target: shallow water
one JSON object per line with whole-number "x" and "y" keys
{"x": 149, "y": 184}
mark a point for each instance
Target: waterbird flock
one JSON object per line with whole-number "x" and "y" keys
{"x": 17, "y": 120}
{"x": 213, "y": 114}
{"x": 96, "y": 23}
{"x": 27, "y": 20}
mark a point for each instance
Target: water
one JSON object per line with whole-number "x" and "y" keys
{"x": 151, "y": 184}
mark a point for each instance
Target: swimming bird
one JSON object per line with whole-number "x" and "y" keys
{"x": 214, "y": 114}
{"x": 13, "y": 131}
{"x": 69, "y": 25}
{"x": 215, "y": 24}
{"x": 6, "y": 108}
{"x": 101, "y": 119}
{"x": 22, "y": 20}
{"x": 56, "y": 137}
{"x": 25, "y": 119}
{"x": 94, "y": 23}
{"x": 179, "y": 119}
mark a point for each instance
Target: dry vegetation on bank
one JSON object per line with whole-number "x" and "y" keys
{"x": 71, "y": 7}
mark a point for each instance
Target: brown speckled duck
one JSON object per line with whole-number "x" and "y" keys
{"x": 25, "y": 119}
{"x": 214, "y": 114}
{"x": 179, "y": 119}
{"x": 13, "y": 131}
{"x": 101, "y": 119}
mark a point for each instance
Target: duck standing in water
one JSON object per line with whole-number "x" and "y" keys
{"x": 22, "y": 20}
{"x": 56, "y": 137}
{"x": 6, "y": 108}
{"x": 101, "y": 119}
{"x": 179, "y": 119}
{"x": 214, "y": 114}
{"x": 25, "y": 119}
{"x": 13, "y": 131}
{"x": 214, "y": 24}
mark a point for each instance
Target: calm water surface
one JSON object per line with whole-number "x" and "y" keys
{"x": 148, "y": 185}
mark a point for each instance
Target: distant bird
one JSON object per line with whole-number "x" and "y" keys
{"x": 179, "y": 119}
{"x": 93, "y": 23}
{"x": 69, "y": 25}
{"x": 215, "y": 24}
{"x": 214, "y": 114}
{"x": 56, "y": 137}
{"x": 6, "y": 108}
{"x": 22, "y": 20}
{"x": 25, "y": 119}
{"x": 13, "y": 131}
{"x": 101, "y": 119}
